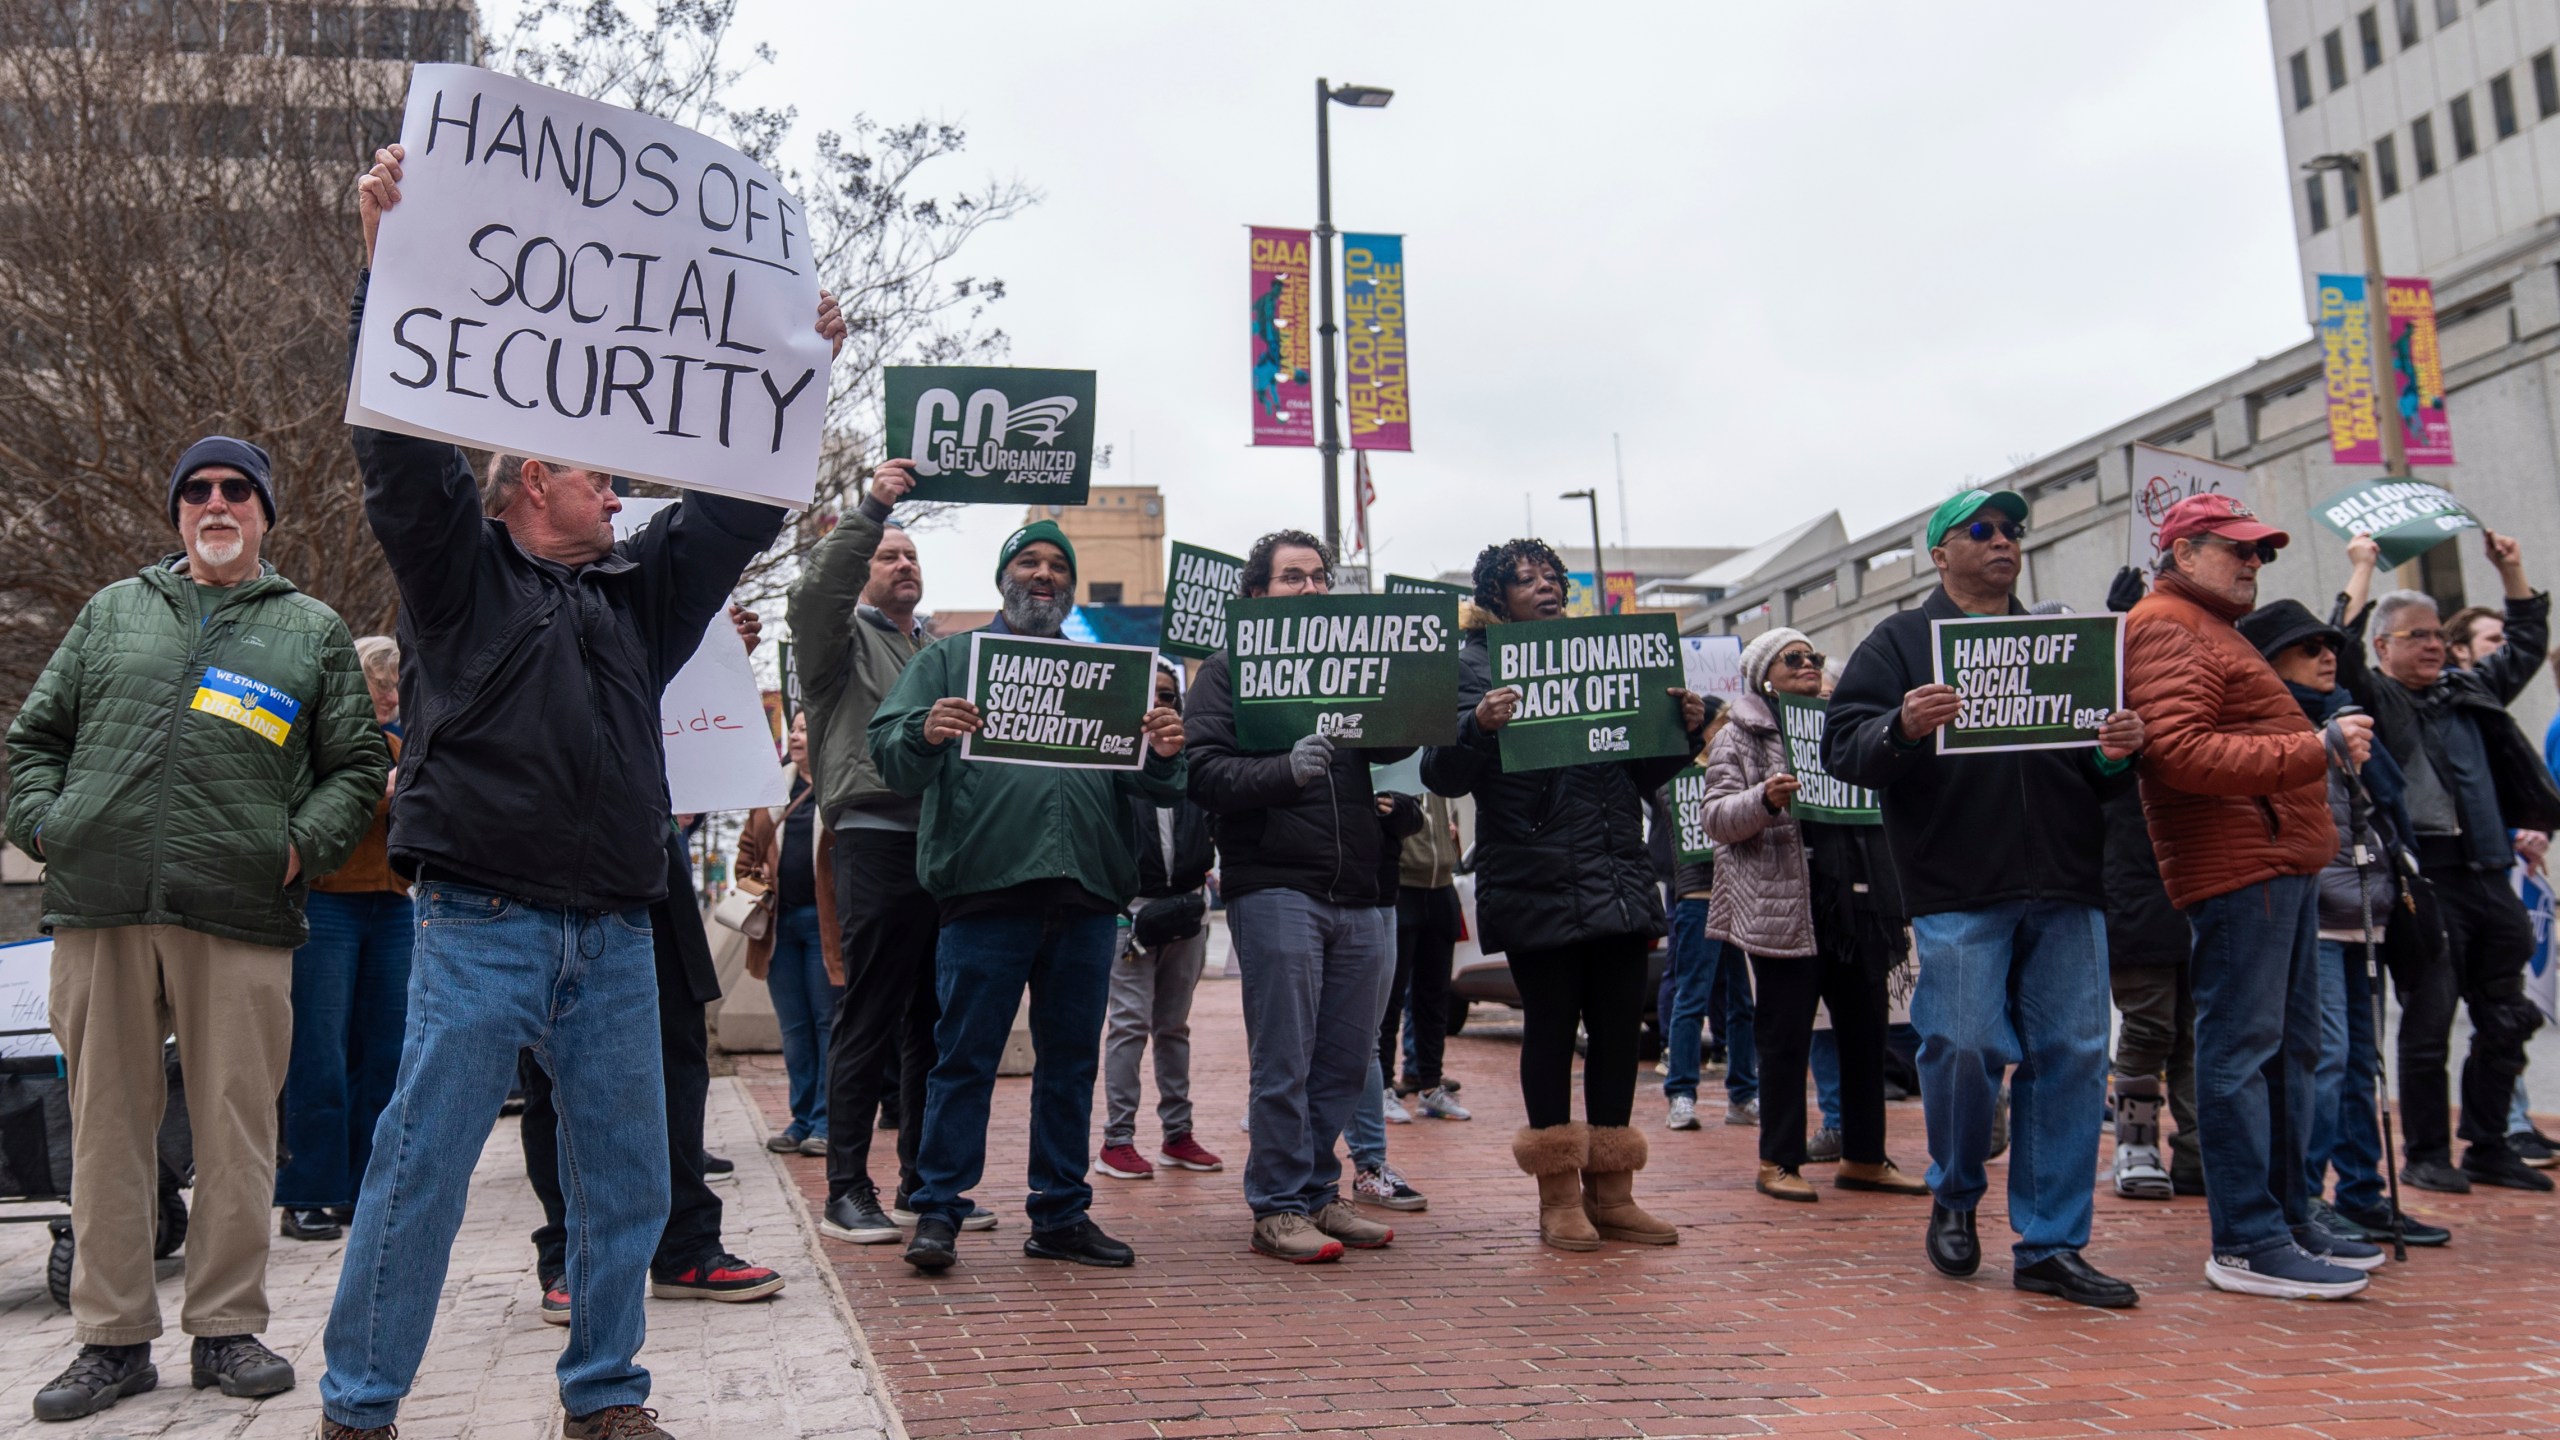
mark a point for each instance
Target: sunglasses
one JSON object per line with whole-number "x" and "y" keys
{"x": 2316, "y": 645}
{"x": 1981, "y": 531}
{"x": 2265, "y": 550}
{"x": 200, "y": 492}
{"x": 1802, "y": 659}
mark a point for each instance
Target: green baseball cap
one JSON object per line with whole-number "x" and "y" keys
{"x": 1960, "y": 508}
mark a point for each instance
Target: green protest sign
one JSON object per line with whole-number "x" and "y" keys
{"x": 2406, "y": 518}
{"x": 2029, "y": 682}
{"x": 988, "y": 434}
{"x": 1407, "y": 585}
{"x": 1689, "y": 814}
{"x": 1370, "y": 670}
{"x": 1592, "y": 689}
{"x": 1059, "y": 702}
{"x": 1196, "y": 590}
{"x": 1820, "y": 795}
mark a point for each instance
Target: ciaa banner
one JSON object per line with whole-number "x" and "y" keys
{"x": 1282, "y": 412}
{"x": 593, "y": 286}
{"x": 1373, "y": 341}
{"x": 2355, "y": 435}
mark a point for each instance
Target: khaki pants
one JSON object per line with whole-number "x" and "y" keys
{"x": 117, "y": 994}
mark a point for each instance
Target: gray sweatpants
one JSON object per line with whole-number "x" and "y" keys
{"x": 1150, "y": 1000}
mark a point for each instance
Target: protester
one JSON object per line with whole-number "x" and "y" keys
{"x": 796, "y": 956}
{"x": 1375, "y": 1181}
{"x": 538, "y": 835}
{"x": 1162, "y": 950}
{"x": 2472, "y": 777}
{"x": 2235, "y": 791}
{"x": 1816, "y": 913}
{"x": 1030, "y": 867}
{"x": 199, "y": 745}
{"x": 350, "y": 1003}
{"x": 1566, "y": 892}
{"x": 1300, "y": 855}
{"x": 1998, "y": 856}
{"x": 1427, "y": 926}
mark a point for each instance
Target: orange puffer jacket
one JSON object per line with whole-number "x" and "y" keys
{"x": 2233, "y": 775}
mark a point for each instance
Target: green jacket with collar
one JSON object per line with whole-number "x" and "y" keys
{"x": 179, "y": 741}
{"x": 847, "y": 656}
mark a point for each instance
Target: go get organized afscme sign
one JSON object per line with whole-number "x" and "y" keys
{"x": 586, "y": 284}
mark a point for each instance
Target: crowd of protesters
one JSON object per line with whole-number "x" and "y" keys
{"x": 2268, "y": 830}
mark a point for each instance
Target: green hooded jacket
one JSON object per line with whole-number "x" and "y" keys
{"x": 990, "y": 826}
{"x": 179, "y": 741}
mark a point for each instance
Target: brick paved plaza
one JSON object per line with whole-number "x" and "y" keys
{"x": 1766, "y": 1319}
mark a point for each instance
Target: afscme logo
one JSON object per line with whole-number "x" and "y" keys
{"x": 970, "y": 437}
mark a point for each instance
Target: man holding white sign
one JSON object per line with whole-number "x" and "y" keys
{"x": 533, "y": 817}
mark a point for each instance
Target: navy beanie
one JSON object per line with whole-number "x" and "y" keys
{"x": 240, "y": 455}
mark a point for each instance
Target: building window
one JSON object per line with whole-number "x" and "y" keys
{"x": 2347, "y": 192}
{"x": 2466, "y": 137}
{"x": 2405, "y": 15}
{"x": 2546, "y": 87}
{"x": 2422, "y": 144}
{"x": 2502, "y": 104}
{"x": 2369, "y": 39}
{"x": 1106, "y": 592}
{"x": 2386, "y": 166}
{"x": 2301, "y": 66}
{"x": 2317, "y": 192}
{"x": 2333, "y": 54}
{"x": 2447, "y": 11}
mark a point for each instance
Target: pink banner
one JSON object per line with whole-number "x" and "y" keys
{"x": 1283, "y": 413}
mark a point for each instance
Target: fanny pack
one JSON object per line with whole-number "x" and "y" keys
{"x": 1168, "y": 918}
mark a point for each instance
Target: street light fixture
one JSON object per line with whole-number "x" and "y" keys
{"x": 1359, "y": 97}
{"x": 1599, "y": 570}
{"x": 2386, "y": 399}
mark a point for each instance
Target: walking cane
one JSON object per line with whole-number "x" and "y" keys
{"x": 2359, "y": 817}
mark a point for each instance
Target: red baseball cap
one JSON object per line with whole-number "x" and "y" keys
{"x": 2221, "y": 515}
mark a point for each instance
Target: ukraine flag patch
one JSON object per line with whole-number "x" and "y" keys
{"x": 255, "y": 704}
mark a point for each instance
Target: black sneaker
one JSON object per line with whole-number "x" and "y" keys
{"x": 717, "y": 1167}
{"x": 2532, "y": 1149}
{"x": 2502, "y": 1168}
{"x": 309, "y": 1225}
{"x": 934, "y": 1248}
{"x": 100, "y": 1375}
{"x": 978, "y": 1218}
{"x": 2375, "y": 1225}
{"x": 2435, "y": 1175}
{"x": 1082, "y": 1243}
{"x": 857, "y": 1218}
{"x": 241, "y": 1366}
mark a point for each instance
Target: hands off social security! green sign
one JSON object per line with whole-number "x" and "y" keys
{"x": 1368, "y": 670}
{"x": 1592, "y": 689}
{"x": 1196, "y": 590}
{"x": 1689, "y": 813}
{"x": 1058, "y": 702}
{"x": 1820, "y": 795}
{"x": 2029, "y": 682}
{"x": 2406, "y": 518}
{"x": 992, "y": 434}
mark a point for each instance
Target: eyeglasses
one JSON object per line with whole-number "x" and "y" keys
{"x": 1802, "y": 659}
{"x": 1981, "y": 531}
{"x": 2264, "y": 550}
{"x": 1320, "y": 578}
{"x": 2427, "y": 636}
{"x": 235, "y": 491}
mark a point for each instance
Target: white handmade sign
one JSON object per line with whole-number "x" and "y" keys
{"x": 589, "y": 285}
{"x": 26, "y": 982}
{"x": 711, "y": 720}
{"x": 1713, "y": 665}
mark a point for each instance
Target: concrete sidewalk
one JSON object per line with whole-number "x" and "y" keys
{"x": 792, "y": 1368}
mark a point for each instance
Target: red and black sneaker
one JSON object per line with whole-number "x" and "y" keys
{"x": 723, "y": 1277}
{"x": 555, "y": 1302}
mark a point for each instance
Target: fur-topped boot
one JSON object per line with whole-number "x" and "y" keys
{"x": 1556, "y": 1155}
{"x": 1609, "y": 1188}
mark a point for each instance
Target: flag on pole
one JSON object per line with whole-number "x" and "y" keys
{"x": 1363, "y": 495}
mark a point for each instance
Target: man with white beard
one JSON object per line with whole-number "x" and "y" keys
{"x": 198, "y": 748}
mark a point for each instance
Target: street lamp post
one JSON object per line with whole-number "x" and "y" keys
{"x": 1365, "y": 97}
{"x": 2386, "y": 397}
{"x": 1599, "y": 568}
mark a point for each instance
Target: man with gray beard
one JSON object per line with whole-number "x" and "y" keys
{"x": 1031, "y": 867}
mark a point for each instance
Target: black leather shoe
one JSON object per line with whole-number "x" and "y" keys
{"x": 1083, "y": 1243}
{"x": 2077, "y": 1281}
{"x": 2502, "y": 1168}
{"x": 934, "y": 1249}
{"x": 2374, "y": 1226}
{"x": 2435, "y": 1175}
{"x": 309, "y": 1225}
{"x": 241, "y": 1366}
{"x": 1952, "y": 1246}
{"x": 100, "y": 1375}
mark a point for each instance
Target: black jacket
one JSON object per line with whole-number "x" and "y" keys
{"x": 1403, "y": 819}
{"x": 675, "y": 928}
{"x": 532, "y": 765}
{"x": 2519, "y": 785}
{"x": 1193, "y": 852}
{"x": 1560, "y": 854}
{"x": 1321, "y": 838}
{"x": 2143, "y": 928}
{"x": 1966, "y": 831}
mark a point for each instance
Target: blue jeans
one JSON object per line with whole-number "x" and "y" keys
{"x": 982, "y": 966}
{"x": 1824, "y": 1056}
{"x": 2024, "y": 984}
{"x": 1316, "y": 977}
{"x": 2344, "y": 1135}
{"x": 804, "y": 1005}
{"x": 489, "y": 976}
{"x": 1733, "y": 1017}
{"x": 350, "y": 1003}
{"x": 1366, "y": 1136}
{"x": 2257, "y": 983}
{"x": 1691, "y": 985}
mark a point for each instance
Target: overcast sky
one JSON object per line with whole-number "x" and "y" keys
{"x": 1800, "y": 255}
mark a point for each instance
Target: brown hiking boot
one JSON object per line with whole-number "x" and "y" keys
{"x": 1884, "y": 1178}
{"x": 1293, "y": 1237}
{"x": 1346, "y": 1224}
{"x": 1609, "y": 1188}
{"x": 615, "y": 1422}
{"x": 1780, "y": 1183}
{"x": 1555, "y": 1154}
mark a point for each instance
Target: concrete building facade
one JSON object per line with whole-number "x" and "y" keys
{"x": 1119, "y": 539}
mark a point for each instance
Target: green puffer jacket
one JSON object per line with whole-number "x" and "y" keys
{"x": 992, "y": 826}
{"x": 168, "y": 756}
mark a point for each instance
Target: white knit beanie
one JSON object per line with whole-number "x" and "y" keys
{"x": 1760, "y": 654}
